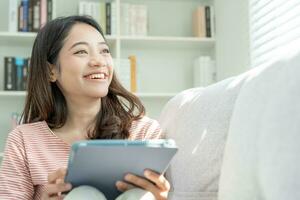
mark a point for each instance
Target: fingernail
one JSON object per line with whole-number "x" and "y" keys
{"x": 119, "y": 184}
{"x": 147, "y": 173}
{"x": 127, "y": 177}
{"x": 68, "y": 186}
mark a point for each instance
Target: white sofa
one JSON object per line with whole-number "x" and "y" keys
{"x": 255, "y": 119}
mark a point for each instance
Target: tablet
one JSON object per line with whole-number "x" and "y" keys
{"x": 101, "y": 163}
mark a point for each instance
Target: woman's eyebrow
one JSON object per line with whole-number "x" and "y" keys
{"x": 102, "y": 43}
{"x": 78, "y": 43}
{"x": 85, "y": 43}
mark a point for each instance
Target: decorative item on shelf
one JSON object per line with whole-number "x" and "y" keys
{"x": 204, "y": 71}
{"x": 103, "y": 12}
{"x": 134, "y": 19}
{"x": 203, "y": 22}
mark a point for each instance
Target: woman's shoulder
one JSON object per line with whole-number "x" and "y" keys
{"x": 23, "y": 130}
{"x": 31, "y": 126}
{"x": 145, "y": 128}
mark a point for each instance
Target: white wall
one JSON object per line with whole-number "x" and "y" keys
{"x": 232, "y": 34}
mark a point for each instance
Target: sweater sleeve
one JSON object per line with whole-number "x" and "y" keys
{"x": 15, "y": 179}
{"x": 145, "y": 129}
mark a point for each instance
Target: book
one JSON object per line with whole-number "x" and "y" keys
{"x": 208, "y": 21}
{"x": 36, "y": 15}
{"x": 13, "y": 16}
{"x": 199, "y": 22}
{"x": 133, "y": 71}
{"x": 108, "y": 18}
{"x": 203, "y": 71}
{"x": 25, "y": 73}
{"x": 19, "y": 64}
{"x": 25, "y": 8}
{"x": 123, "y": 72}
{"x": 113, "y": 18}
{"x": 9, "y": 73}
{"x": 125, "y": 21}
{"x": 43, "y": 13}
{"x": 49, "y": 10}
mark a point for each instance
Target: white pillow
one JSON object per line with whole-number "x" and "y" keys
{"x": 262, "y": 152}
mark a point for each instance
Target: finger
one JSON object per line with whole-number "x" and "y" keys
{"x": 158, "y": 179}
{"x": 122, "y": 186}
{"x": 60, "y": 173}
{"x": 141, "y": 182}
{"x": 54, "y": 189}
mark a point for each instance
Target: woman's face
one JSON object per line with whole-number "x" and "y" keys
{"x": 86, "y": 66}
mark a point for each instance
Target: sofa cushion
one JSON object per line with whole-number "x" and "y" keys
{"x": 198, "y": 120}
{"x": 261, "y": 159}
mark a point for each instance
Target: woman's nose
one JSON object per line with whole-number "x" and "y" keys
{"x": 97, "y": 61}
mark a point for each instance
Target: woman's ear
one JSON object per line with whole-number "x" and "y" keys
{"x": 53, "y": 72}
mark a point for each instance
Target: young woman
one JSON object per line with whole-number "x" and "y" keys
{"x": 73, "y": 95}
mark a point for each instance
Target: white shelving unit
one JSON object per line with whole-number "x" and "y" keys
{"x": 164, "y": 57}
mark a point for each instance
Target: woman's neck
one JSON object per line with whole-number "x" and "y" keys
{"x": 81, "y": 116}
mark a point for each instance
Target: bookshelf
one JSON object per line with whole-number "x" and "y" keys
{"x": 164, "y": 56}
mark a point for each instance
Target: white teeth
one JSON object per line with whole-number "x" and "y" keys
{"x": 96, "y": 76}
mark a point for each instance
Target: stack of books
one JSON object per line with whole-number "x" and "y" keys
{"x": 103, "y": 12}
{"x": 29, "y": 15}
{"x": 134, "y": 19}
{"x": 203, "y": 22}
{"x": 15, "y": 73}
{"x": 204, "y": 71}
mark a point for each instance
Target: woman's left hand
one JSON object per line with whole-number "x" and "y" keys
{"x": 155, "y": 183}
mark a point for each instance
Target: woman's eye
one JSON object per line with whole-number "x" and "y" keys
{"x": 81, "y": 52}
{"x": 105, "y": 51}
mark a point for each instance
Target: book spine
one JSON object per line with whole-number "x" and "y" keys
{"x": 25, "y": 15}
{"x": 108, "y": 18}
{"x": 49, "y": 10}
{"x": 9, "y": 73}
{"x": 133, "y": 71}
{"x": 212, "y": 21}
{"x": 20, "y": 17}
{"x": 43, "y": 13}
{"x": 113, "y": 18}
{"x": 123, "y": 73}
{"x": 207, "y": 21}
{"x": 125, "y": 19}
{"x": 25, "y": 73}
{"x": 19, "y": 63}
{"x": 36, "y": 15}
{"x": 30, "y": 16}
{"x": 13, "y": 16}
{"x": 103, "y": 17}
{"x": 199, "y": 22}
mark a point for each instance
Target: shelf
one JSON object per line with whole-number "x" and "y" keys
{"x": 12, "y": 93}
{"x": 167, "y": 41}
{"x": 141, "y": 95}
{"x": 28, "y": 38}
{"x": 23, "y": 38}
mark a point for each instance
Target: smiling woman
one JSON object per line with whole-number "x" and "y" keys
{"x": 73, "y": 94}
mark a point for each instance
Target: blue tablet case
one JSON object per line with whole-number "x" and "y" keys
{"x": 101, "y": 163}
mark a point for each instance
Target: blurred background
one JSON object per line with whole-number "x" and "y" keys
{"x": 160, "y": 47}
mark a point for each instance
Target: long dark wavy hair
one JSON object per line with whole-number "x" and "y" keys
{"x": 45, "y": 101}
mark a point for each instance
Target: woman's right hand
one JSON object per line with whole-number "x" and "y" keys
{"x": 56, "y": 185}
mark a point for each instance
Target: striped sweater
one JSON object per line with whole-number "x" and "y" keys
{"x": 33, "y": 151}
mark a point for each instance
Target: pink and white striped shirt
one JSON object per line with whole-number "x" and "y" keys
{"x": 33, "y": 151}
